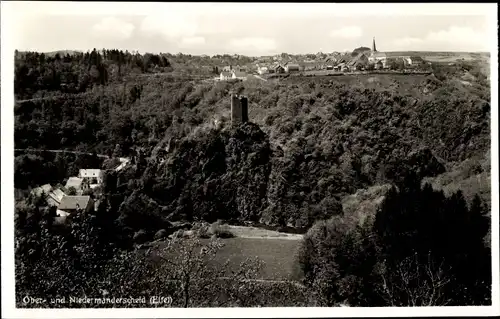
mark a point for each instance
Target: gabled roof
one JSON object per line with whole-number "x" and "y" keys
{"x": 57, "y": 194}
{"x": 293, "y": 65}
{"x": 239, "y": 74}
{"x": 360, "y": 58}
{"x": 74, "y": 182}
{"x": 89, "y": 172}
{"x": 74, "y": 202}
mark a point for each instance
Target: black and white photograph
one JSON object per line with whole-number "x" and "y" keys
{"x": 213, "y": 159}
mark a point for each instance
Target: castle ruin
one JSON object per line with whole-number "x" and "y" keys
{"x": 239, "y": 109}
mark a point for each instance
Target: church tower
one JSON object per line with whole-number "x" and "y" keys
{"x": 374, "y": 48}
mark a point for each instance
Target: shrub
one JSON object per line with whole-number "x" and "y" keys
{"x": 220, "y": 231}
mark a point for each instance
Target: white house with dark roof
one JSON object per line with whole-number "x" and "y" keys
{"x": 71, "y": 204}
{"x": 224, "y": 76}
{"x": 90, "y": 175}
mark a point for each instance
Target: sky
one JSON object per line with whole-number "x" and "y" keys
{"x": 249, "y": 28}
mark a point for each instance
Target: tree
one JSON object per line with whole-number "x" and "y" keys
{"x": 71, "y": 191}
{"x": 416, "y": 283}
{"x": 189, "y": 271}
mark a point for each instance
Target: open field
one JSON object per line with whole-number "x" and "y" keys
{"x": 255, "y": 232}
{"x": 442, "y": 56}
{"x": 278, "y": 255}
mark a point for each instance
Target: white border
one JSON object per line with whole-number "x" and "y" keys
{"x": 8, "y": 21}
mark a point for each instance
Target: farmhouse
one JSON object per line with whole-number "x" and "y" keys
{"x": 71, "y": 204}
{"x": 93, "y": 176}
{"x": 225, "y": 75}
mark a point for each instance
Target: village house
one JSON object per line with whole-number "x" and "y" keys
{"x": 54, "y": 197}
{"x": 414, "y": 61}
{"x": 239, "y": 75}
{"x": 292, "y": 67}
{"x": 71, "y": 204}
{"x": 224, "y": 75}
{"x": 329, "y": 62}
{"x": 93, "y": 176}
{"x": 262, "y": 70}
{"x": 227, "y": 68}
{"x": 360, "y": 62}
{"x": 379, "y": 65}
{"x": 279, "y": 69}
{"x": 343, "y": 67}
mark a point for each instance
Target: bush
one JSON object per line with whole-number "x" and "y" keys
{"x": 220, "y": 231}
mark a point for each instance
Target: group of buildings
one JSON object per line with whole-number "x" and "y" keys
{"x": 340, "y": 62}
{"x": 73, "y": 196}
{"x": 370, "y": 60}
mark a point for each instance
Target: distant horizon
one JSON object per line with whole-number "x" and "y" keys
{"x": 250, "y": 56}
{"x": 250, "y": 29}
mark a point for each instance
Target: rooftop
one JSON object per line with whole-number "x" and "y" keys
{"x": 74, "y": 202}
{"x": 75, "y": 182}
{"x": 239, "y": 74}
{"x": 89, "y": 172}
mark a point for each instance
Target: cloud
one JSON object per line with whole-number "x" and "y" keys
{"x": 347, "y": 32}
{"x": 255, "y": 44}
{"x": 193, "y": 41}
{"x": 407, "y": 41}
{"x": 114, "y": 27}
{"x": 455, "y": 38}
{"x": 171, "y": 24}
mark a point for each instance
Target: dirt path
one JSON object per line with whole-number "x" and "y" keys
{"x": 122, "y": 159}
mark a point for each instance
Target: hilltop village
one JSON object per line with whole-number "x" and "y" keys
{"x": 362, "y": 59}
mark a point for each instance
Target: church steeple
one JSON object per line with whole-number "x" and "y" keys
{"x": 374, "y": 48}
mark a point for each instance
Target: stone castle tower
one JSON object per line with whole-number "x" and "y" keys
{"x": 374, "y": 47}
{"x": 239, "y": 109}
